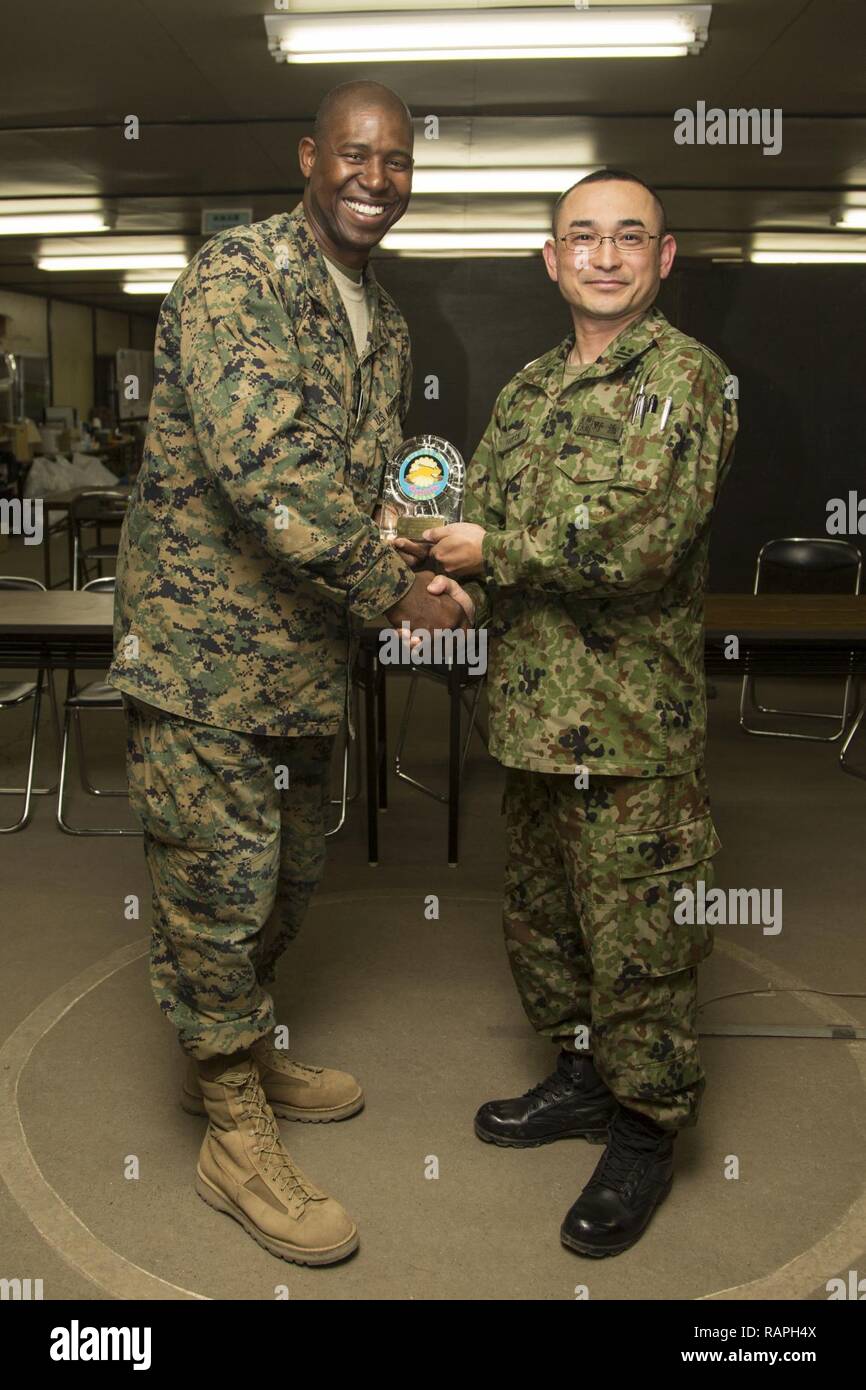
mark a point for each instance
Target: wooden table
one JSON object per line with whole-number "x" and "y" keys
{"x": 778, "y": 634}
{"x": 792, "y": 635}
{"x": 58, "y": 630}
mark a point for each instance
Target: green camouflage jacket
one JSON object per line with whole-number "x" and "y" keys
{"x": 595, "y": 557}
{"x": 248, "y": 552}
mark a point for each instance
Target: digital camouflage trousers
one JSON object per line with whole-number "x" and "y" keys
{"x": 599, "y": 960}
{"x": 234, "y": 842}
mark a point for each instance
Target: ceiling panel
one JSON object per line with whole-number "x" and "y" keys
{"x": 220, "y": 121}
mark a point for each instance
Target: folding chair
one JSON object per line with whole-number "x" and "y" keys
{"x": 58, "y": 527}
{"x": 96, "y": 509}
{"x": 93, "y": 696}
{"x": 14, "y": 693}
{"x": 798, "y": 564}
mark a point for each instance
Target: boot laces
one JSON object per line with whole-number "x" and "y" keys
{"x": 273, "y": 1058}
{"x": 553, "y": 1087}
{"x": 623, "y": 1158}
{"x": 615, "y": 1169}
{"x": 276, "y": 1161}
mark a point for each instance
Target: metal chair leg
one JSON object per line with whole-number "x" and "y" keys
{"x": 404, "y": 726}
{"x": 401, "y": 739}
{"x": 42, "y": 791}
{"x": 471, "y": 707}
{"x": 747, "y": 696}
{"x": 846, "y": 767}
{"x": 341, "y": 801}
{"x": 31, "y": 767}
{"x": 82, "y": 765}
{"x": 64, "y": 754}
{"x": 356, "y": 743}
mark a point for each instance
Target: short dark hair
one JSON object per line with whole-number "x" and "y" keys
{"x": 608, "y": 176}
{"x": 347, "y": 92}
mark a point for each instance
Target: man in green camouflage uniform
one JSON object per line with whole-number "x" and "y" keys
{"x": 587, "y": 522}
{"x": 248, "y": 559}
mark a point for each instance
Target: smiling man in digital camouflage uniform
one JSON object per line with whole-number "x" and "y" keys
{"x": 587, "y": 511}
{"x": 247, "y": 558}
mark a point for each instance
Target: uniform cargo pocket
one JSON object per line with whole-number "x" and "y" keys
{"x": 167, "y": 789}
{"x": 656, "y": 932}
{"x": 653, "y": 851}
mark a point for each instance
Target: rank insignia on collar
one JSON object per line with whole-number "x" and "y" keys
{"x": 599, "y": 427}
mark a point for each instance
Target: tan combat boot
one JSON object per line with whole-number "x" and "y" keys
{"x": 294, "y": 1091}
{"x": 244, "y": 1171}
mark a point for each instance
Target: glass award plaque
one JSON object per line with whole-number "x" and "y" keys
{"x": 423, "y": 487}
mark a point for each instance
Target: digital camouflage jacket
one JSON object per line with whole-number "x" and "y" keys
{"x": 248, "y": 550}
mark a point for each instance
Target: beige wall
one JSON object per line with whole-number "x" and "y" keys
{"x": 143, "y": 333}
{"x": 72, "y": 356}
{"x": 71, "y": 337}
{"x": 112, "y": 332}
{"x": 26, "y": 324}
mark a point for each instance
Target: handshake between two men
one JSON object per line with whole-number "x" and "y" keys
{"x": 436, "y": 600}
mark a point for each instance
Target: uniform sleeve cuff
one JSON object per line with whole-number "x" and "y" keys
{"x": 382, "y": 586}
{"x": 493, "y": 550}
{"x": 480, "y": 598}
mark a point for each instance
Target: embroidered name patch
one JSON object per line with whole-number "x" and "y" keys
{"x": 318, "y": 366}
{"x": 599, "y": 427}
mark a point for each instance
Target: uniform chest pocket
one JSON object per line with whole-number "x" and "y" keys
{"x": 389, "y": 431}
{"x": 516, "y": 462}
{"x": 590, "y": 461}
{"x": 378, "y": 439}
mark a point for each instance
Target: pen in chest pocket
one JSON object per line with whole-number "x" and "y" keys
{"x": 648, "y": 404}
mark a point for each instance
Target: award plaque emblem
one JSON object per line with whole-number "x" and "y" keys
{"x": 423, "y": 487}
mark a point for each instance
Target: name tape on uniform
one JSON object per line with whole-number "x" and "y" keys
{"x": 599, "y": 427}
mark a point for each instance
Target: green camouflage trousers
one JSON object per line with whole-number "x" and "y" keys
{"x": 233, "y": 859}
{"x": 590, "y": 930}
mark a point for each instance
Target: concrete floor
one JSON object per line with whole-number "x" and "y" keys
{"x": 425, "y": 1013}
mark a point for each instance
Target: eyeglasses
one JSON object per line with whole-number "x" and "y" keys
{"x": 633, "y": 240}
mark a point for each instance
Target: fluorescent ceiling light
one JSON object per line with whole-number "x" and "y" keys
{"x": 464, "y": 255}
{"x": 851, "y": 217}
{"x": 51, "y": 223}
{"x": 464, "y": 241}
{"x": 807, "y": 257}
{"x": 672, "y": 31}
{"x": 130, "y": 262}
{"x": 160, "y": 287}
{"x": 503, "y": 180}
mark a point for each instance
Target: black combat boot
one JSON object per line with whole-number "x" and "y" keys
{"x": 633, "y": 1176}
{"x": 571, "y": 1103}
